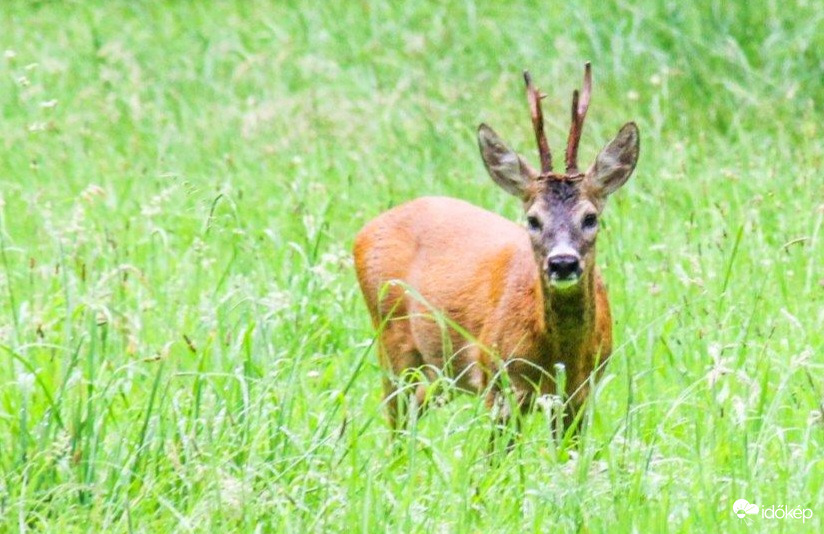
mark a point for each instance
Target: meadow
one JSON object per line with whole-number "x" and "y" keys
{"x": 183, "y": 346}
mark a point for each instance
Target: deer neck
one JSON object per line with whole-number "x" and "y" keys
{"x": 570, "y": 315}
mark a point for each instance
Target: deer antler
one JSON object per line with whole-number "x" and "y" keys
{"x": 579, "y": 112}
{"x": 534, "y": 97}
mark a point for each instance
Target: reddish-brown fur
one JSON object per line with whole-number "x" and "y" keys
{"x": 491, "y": 286}
{"x": 495, "y": 279}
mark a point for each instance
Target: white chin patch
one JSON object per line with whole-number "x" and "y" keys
{"x": 563, "y": 284}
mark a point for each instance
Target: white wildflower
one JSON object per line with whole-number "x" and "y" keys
{"x": 91, "y": 192}
{"x": 25, "y": 382}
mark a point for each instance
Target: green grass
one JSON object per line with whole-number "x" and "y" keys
{"x": 195, "y": 170}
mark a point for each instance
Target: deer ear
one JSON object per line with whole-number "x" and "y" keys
{"x": 507, "y": 169}
{"x": 615, "y": 163}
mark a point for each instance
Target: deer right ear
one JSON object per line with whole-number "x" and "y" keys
{"x": 615, "y": 163}
{"x": 507, "y": 169}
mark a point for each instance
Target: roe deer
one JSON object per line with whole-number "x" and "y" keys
{"x": 531, "y": 298}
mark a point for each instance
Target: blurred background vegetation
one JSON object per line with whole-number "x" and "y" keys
{"x": 199, "y": 169}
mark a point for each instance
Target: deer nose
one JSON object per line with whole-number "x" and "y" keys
{"x": 564, "y": 267}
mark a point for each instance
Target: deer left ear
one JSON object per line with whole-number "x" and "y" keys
{"x": 615, "y": 163}
{"x": 507, "y": 169}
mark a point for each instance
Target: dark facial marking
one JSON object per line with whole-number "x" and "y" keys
{"x": 561, "y": 197}
{"x": 562, "y": 192}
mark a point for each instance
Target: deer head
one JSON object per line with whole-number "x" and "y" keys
{"x": 562, "y": 209}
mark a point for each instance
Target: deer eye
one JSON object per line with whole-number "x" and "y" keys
{"x": 590, "y": 221}
{"x": 533, "y": 223}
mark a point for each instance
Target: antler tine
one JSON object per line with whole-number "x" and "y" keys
{"x": 580, "y": 104}
{"x": 534, "y": 97}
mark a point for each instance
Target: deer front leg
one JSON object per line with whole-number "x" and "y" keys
{"x": 504, "y": 408}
